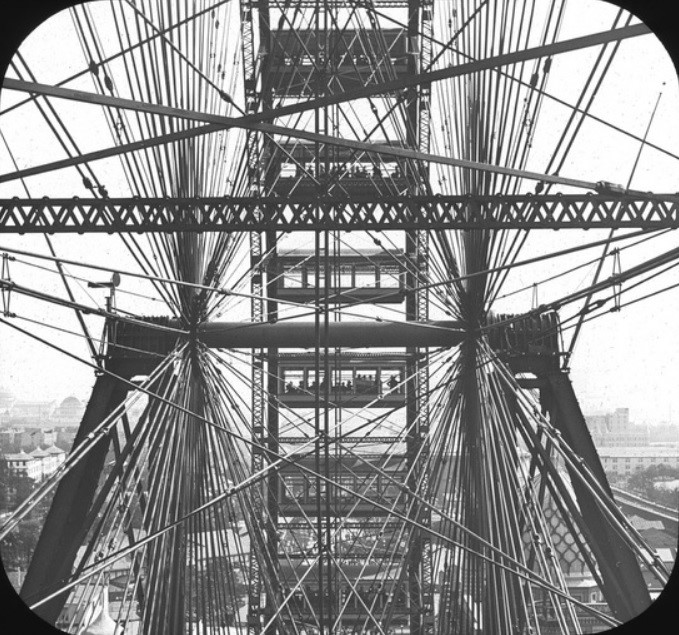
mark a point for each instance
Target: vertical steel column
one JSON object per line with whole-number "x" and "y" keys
{"x": 413, "y": 440}
{"x": 250, "y": 78}
{"x": 423, "y": 117}
{"x": 258, "y": 436}
{"x": 321, "y": 487}
{"x": 272, "y": 424}
{"x": 267, "y": 178}
{"x": 417, "y": 416}
{"x": 322, "y": 451}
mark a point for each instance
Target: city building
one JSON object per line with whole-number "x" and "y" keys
{"x": 623, "y": 461}
{"x": 37, "y": 464}
{"x": 52, "y": 459}
{"x": 31, "y": 412}
{"x": 23, "y": 464}
{"x": 27, "y": 438}
{"x": 665, "y": 433}
{"x": 69, "y": 412}
{"x": 614, "y": 429}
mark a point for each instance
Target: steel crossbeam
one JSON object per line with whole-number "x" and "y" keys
{"x": 129, "y": 215}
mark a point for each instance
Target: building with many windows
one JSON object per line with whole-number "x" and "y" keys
{"x": 624, "y": 461}
{"x": 36, "y": 465}
{"x": 69, "y": 412}
{"x": 614, "y": 429}
{"x": 23, "y": 464}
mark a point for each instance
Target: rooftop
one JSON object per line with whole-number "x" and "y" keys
{"x": 626, "y": 451}
{"x": 18, "y": 456}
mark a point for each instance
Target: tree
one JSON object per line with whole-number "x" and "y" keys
{"x": 643, "y": 482}
{"x": 17, "y": 547}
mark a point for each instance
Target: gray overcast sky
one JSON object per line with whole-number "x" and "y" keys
{"x": 624, "y": 359}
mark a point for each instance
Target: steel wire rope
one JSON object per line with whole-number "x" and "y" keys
{"x": 508, "y": 443}
{"x": 113, "y": 315}
{"x": 271, "y": 128}
{"x": 577, "y": 267}
{"x": 646, "y": 266}
{"x": 162, "y": 34}
{"x": 78, "y": 453}
{"x": 571, "y": 346}
{"x": 527, "y": 575}
{"x": 138, "y": 255}
{"x": 245, "y": 278}
{"x": 400, "y": 124}
{"x": 120, "y": 54}
{"x": 138, "y": 183}
{"x": 526, "y": 145}
{"x": 446, "y": 47}
{"x": 423, "y": 471}
{"x": 379, "y": 420}
{"x": 80, "y": 279}
{"x": 168, "y": 82}
{"x": 175, "y": 84}
{"x": 181, "y": 283}
{"x": 243, "y": 471}
{"x": 304, "y": 514}
{"x": 409, "y": 266}
{"x": 542, "y": 308}
{"x": 64, "y": 146}
{"x": 59, "y": 266}
{"x": 95, "y": 545}
{"x": 599, "y": 60}
{"x": 540, "y": 258}
{"x": 231, "y": 491}
{"x": 491, "y": 445}
{"x": 367, "y": 485}
{"x": 81, "y": 335}
{"x": 576, "y": 463}
{"x": 351, "y": 106}
{"x": 616, "y": 295}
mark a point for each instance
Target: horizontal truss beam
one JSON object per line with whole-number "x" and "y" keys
{"x": 300, "y": 334}
{"x": 129, "y": 215}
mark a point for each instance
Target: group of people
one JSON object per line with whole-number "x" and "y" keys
{"x": 354, "y": 172}
{"x": 365, "y": 385}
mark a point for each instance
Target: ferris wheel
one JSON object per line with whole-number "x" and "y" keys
{"x": 303, "y": 254}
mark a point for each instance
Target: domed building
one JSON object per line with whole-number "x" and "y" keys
{"x": 69, "y": 412}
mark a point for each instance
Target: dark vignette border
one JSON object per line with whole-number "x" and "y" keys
{"x": 18, "y": 18}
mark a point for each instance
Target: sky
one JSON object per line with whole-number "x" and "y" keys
{"x": 626, "y": 359}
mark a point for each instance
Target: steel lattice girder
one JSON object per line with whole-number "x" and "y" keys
{"x": 529, "y": 211}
